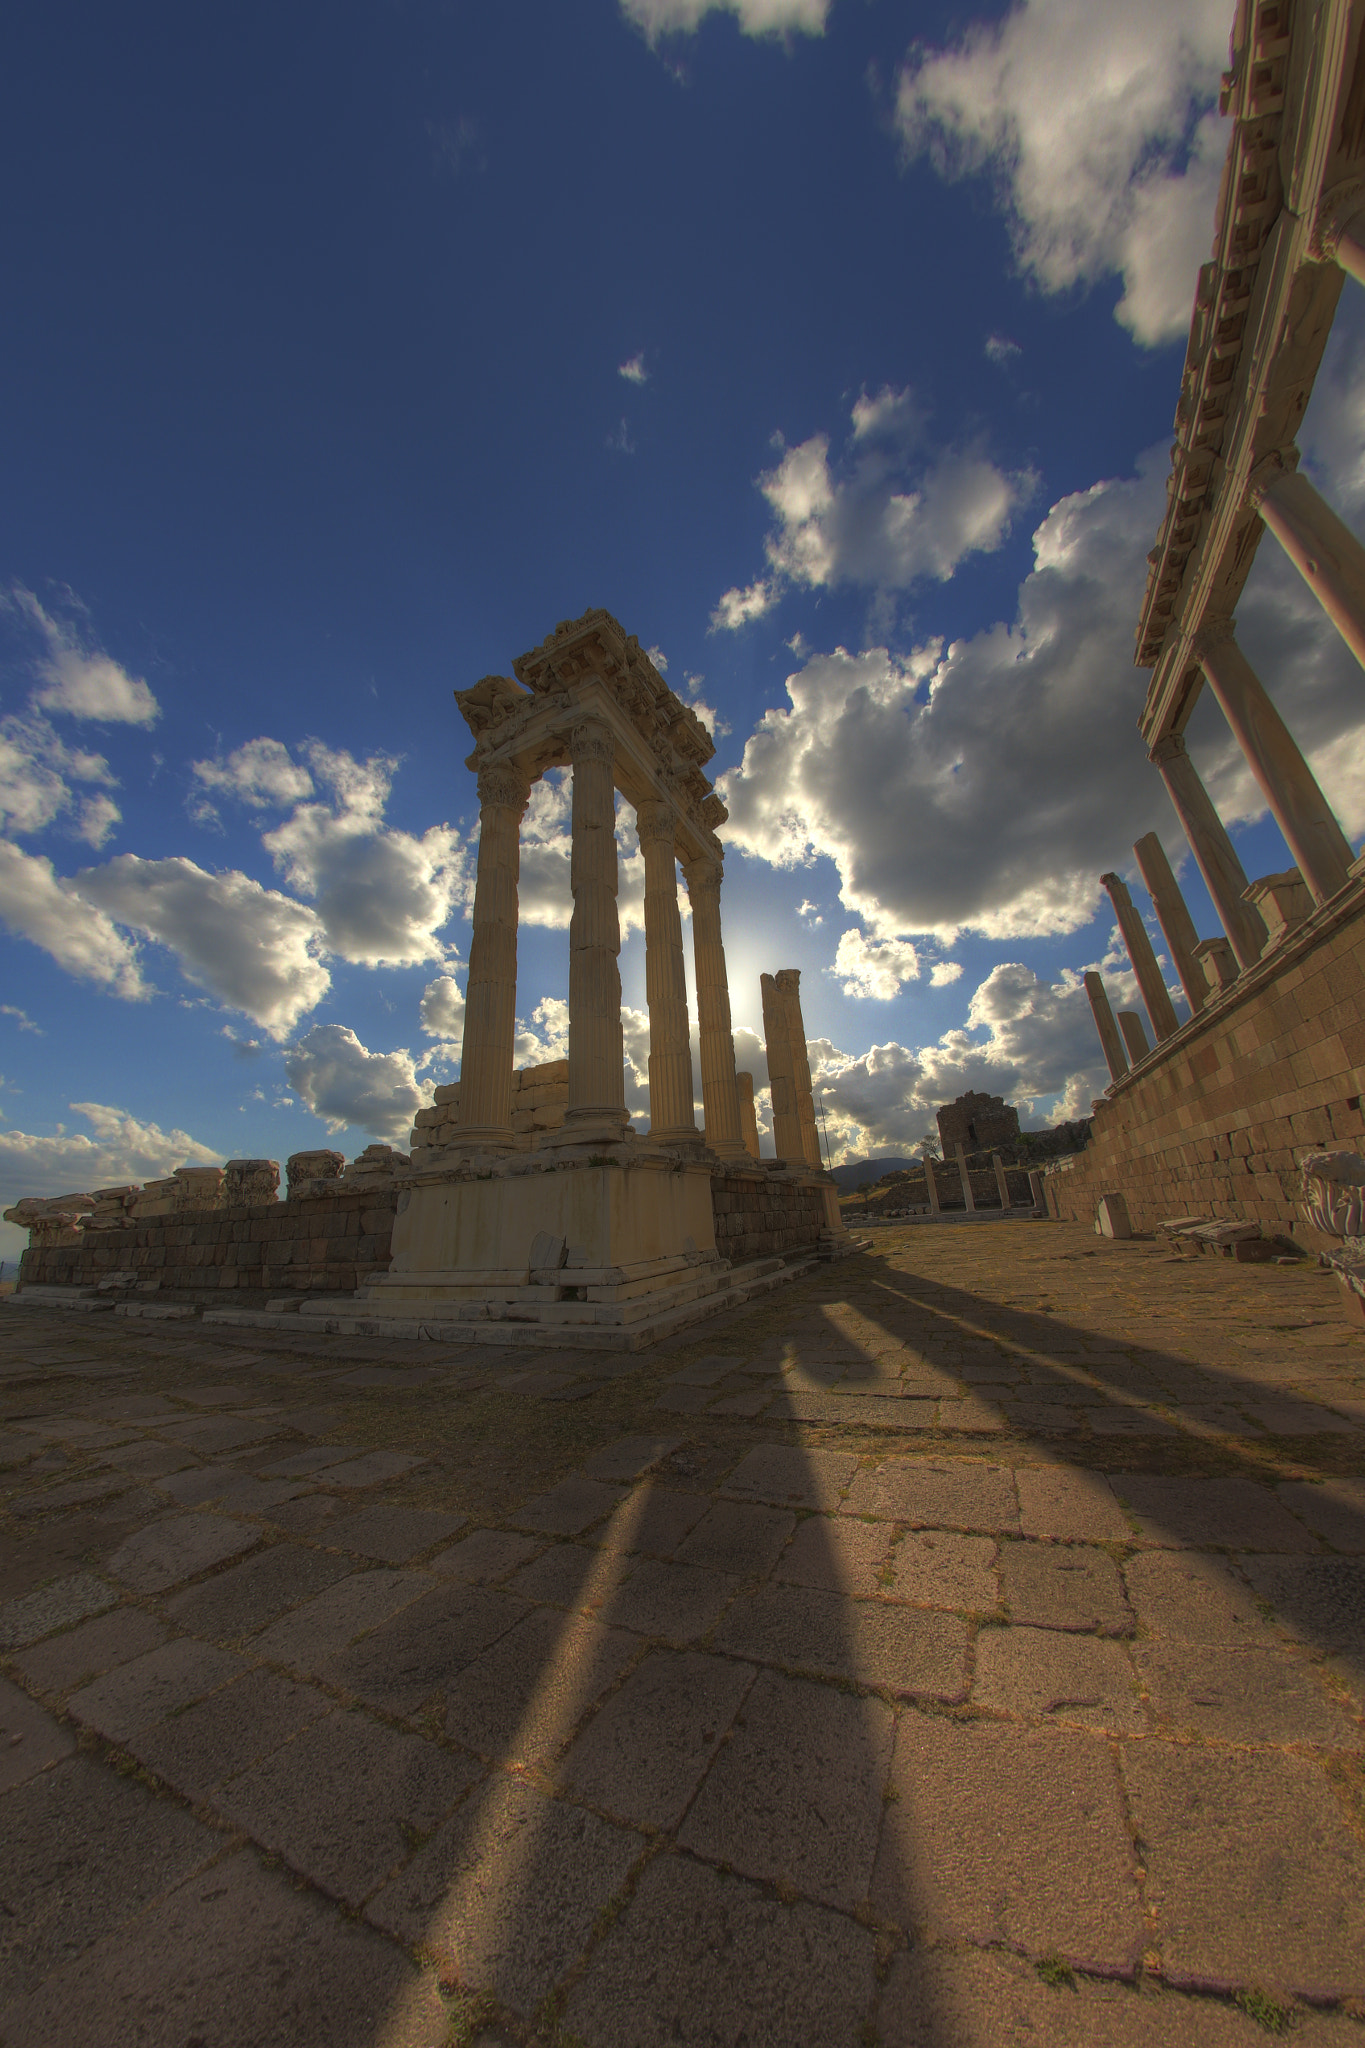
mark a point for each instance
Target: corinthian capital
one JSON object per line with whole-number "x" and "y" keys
{"x": 1338, "y": 210}
{"x": 702, "y": 875}
{"x": 503, "y": 789}
{"x": 1167, "y": 747}
{"x": 1213, "y": 633}
{"x": 654, "y": 820}
{"x": 1267, "y": 473}
{"x": 591, "y": 741}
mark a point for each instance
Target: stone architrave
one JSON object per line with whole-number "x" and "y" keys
{"x": 748, "y": 1115}
{"x": 597, "y": 1068}
{"x": 1155, "y": 994}
{"x": 490, "y": 1024}
{"x": 1134, "y": 1037}
{"x": 719, "y": 1088}
{"x": 1112, "y": 1045}
{"x": 1224, "y": 875}
{"x": 1321, "y": 546}
{"x": 781, "y": 1075}
{"x": 1172, "y": 915}
{"x": 1320, "y": 848}
{"x": 672, "y": 1118}
{"x": 788, "y": 980}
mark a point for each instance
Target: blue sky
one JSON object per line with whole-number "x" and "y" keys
{"x": 833, "y": 347}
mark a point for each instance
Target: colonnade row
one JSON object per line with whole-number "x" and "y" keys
{"x": 597, "y": 1106}
{"x": 1332, "y": 562}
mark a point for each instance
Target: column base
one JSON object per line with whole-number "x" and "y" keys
{"x": 481, "y": 1138}
{"x": 590, "y": 1127}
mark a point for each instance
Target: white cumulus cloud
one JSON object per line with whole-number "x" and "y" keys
{"x": 36, "y": 904}
{"x": 1093, "y": 117}
{"x": 442, "y": 1011}
{"x": 634, "y": 372}
{"x": 260, "y": 774}
{"x": 883, "y": 516}
{"x": 119, "y": 1150}
{"x": 755, "y": 17}
{"x": 349, "y": 1087}
{"x": 875, "y": 968}
{"x": 79, "y": 679}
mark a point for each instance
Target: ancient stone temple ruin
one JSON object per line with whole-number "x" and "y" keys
{"x": 528, "y": 1204}
{"x": 1208, "y": 1117}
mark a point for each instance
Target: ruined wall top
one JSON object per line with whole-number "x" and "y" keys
{"x": 977, "y": 1122}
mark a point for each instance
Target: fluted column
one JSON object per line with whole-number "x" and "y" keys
{"x": 719, "y": 1089}
{"x": 789, "y": 984}
{"x": 1134, "y": 1037}
{"x": 1224, "y": 875}
{"x": 1339, "y": 234}
{"x": 748, "y": 1115}
{"x": 597, "y": 1074}
{"x": 1111, "y": 1044}
{"x": 1320, "y": 848}
{"x": 781, "y": 1073}
{"x": 672, "y": 1118}
{"x": 1155, "y": 994}
{"x": 1173, "y": 916}
{"x": 1321, "y": 546}
{"x": 490, "y": 1022}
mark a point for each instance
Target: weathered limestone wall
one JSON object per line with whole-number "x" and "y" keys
{"x": 761, "y": 1215}
{"x": 1214, "y": 1122}
{"x": 540, "y": 1097}
{"x": 334, "y": 1242}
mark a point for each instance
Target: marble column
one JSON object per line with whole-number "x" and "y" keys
{"x": 931, "y": 1186}
{"x": 1155, "y": 994}
{"x": 1321, "y": 851}
{"x": 1134, "y": 1037}
{"x": 1173, "y": 916}
{"x": 597, "y": 1073}
{"x": 1000, "y": 1181}
{"x": 1214, "y": 853}
{"x": 719, "y": 1089}
{"x": 1114, "y": 1057}
{"x": 490, "y": 1021}
{"x": 781, "y": 1073}
{"x": 1321, "y": 546}
{"x": 965, "y": 1177}
{"x": 789, "y": 983}
{"x": 748, "y": 1115}
{"x": 672, "y": 1117}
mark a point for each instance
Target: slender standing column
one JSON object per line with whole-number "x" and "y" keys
{"x": 1134, "y": 1037}
{"x": 1112, "y": 1044}
{"x": 1000, "y": 1180}
{"x": 931, "y": 1186}
{"x": 719, "y": 1089}
{"x": 672, "y": 1118}
{"x": 1224, "y": 875}
{"x": 789, "y": 985}
{"x": 964, "y": 1176}
{"x": 1173, "y": 916}
{"x": 1320, "y": 848}
{"x": 781, "y": 1073}
{"x": 597, "y": 1071}
{"x": 1339, "y": 235}
{"x": 1321, "y": 546}
{"x": 1155, "y": 994}
{"x": 748, "y": 1115}
{"x": 490, "y": 1022}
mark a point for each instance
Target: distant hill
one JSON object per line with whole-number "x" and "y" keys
{"x": 859, "y": 1173}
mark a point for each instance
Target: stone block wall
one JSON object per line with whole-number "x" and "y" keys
{"x": 761, "y": 1215}
{"x": 540, "y": 1097}
{"x": 332, "y": 1243}
{"x": 1214, "y": 1122}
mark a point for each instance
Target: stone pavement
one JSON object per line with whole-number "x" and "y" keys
{"x": 964, "y": 1648}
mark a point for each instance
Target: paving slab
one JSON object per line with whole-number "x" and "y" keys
{"x": 240, "y": 1956}
{"x": 937, "y": 1493}
{"x": 1231, "y": 1514}
{"x": 147, "y": 1688}
{"x": 1069, "y": 1503}
{"x": 1333, "y": 1509}
{"x": 628, "y": 1458}
{"x": 1066, "y": 1680}
{"x": 644, "y": 1752}
{"x": 85, "y": 1849}
{"x": 195, "y": 1749}
{"x": 177, "y": 1548}
{"x": 342, "y": 1802}
{"x": 303, "y": 1464}
{"x": 305, "y": 1637}
{"x": 839, "y": 1555}
{"x": 935, "y": 1998}
{"x": 737, "y": 1537}
{"x": 790, "y": 1478}
{"x": 1063, "y": 1585}
{"x": 524, "y": 1698}
{"x": 1321, "y": 1601}
{"x": 899, "y": 1649}
{"x": 485, "y": 1557}
{"x": 939, "y": 1568}
{"x": 571, "y": 1575}
{"x": 211, "y": 1436}
{"x": 215, "y": 1397}
{"x": 408, "y": 1660}
{"x": 1208, "y": 1691}
{"x": 243, "y": 1599}
{"x": 392, "y": 1534}
{"x": 678, "y": 1603}
{"x": 699, "y": 1959}
{"x": 1010, "y": 1836}
{"x": 654, "y": 1520}
{"x": 82, "y": 1653}
{"x": 1188, "y": 1596}
{"x": 505, "y": 1895}
{"x": 795, "y": 1796}
{"x": 569, "y": 1508}
{"x": 375, "y": 1468}
{"x": 150, "y": 1460}
{"x": 55, "y": 1605}
{"x": 1253, "y": 1873}
{"x": 31, "y": 1739}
